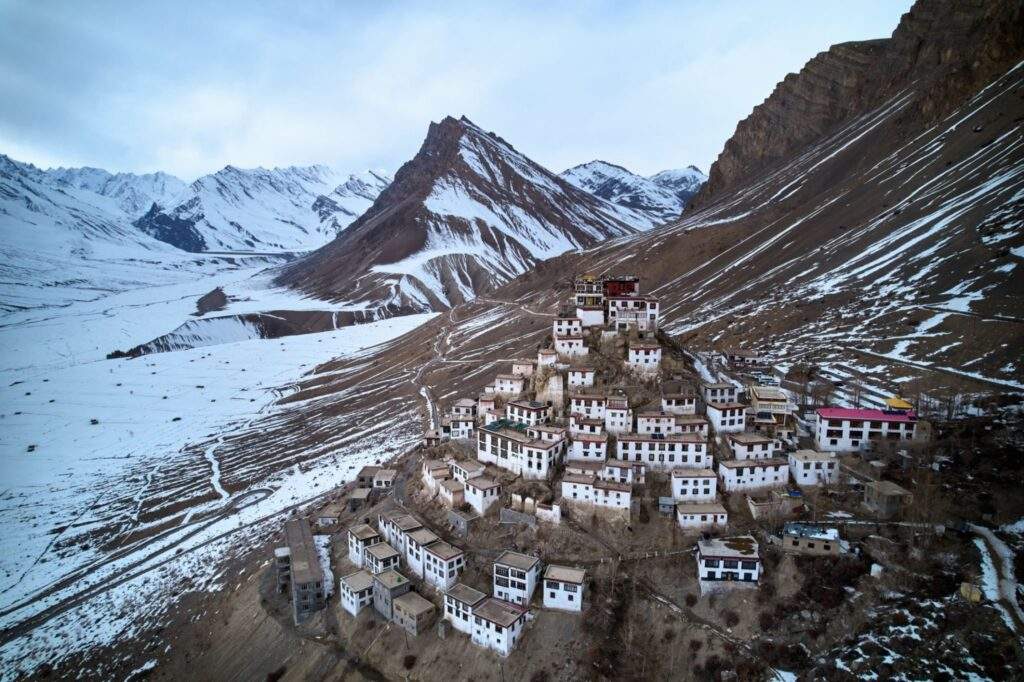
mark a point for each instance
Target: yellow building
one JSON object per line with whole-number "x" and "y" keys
{"x": 897, "y": 403}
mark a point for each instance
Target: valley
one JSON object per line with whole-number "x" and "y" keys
{"x": 189, "y": 365}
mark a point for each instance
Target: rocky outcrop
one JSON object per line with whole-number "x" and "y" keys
{"x": 941, "y": 53}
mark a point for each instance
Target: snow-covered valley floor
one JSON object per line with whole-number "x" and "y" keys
{"x": 97, "y": 535}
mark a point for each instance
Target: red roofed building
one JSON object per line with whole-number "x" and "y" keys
{"x": 842, "y": 429}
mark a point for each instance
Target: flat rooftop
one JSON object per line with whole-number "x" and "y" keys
{"x": 739, "y": 546}
{"x": 812, "y": 456}
{"x": 406, "y": 522}
{"x": 423, "y": 536}
{"x": 469, "y": 465}
{"x": 748, "y": 438}
{"x": 700, "y": 508}
{"x": 523, "y": 562}
{"x": 443, "y": 550}
{"x": 358, "y": 581}
{"x": 363, "y": 532}
{"x": 482, "y": 483}
{"x": 862, "y": 414}
{"x": 453, "y": 486}
{"x": 613, "y": 485}
{"x": 413, "y": 604}
{"x": 305, "y": 564}
{"x": 529, "y": 404}
{"x": 498, "y": 612}
{"x": 769, "y": 393}
{"x": 466, "y": 594}
{"x": 382, "y": 550}
{"x": 887, "y": 488}
{"x": 588, "y": 465}
{"x": 811, "y": 532}
{"x": 662, "y": 437}
{"x": 766, "y": 462}
{"x": 390, "y": 579}
{"x": 565, "y": 574}
{"x": 693, "y": 473}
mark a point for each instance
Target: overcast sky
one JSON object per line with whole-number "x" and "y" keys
{"x": 191, "y": 87}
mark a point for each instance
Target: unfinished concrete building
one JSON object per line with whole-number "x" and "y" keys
{"x": 298, "y": 570}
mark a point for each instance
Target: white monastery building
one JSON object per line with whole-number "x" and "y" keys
{"x": 563, "y": 588}
{"x": 727, "y": 417}
{"x": 694, "y": 485}
{"x": 842, "y": 429}
{"x": 723, "y": 563}
{"x": 663, "y": 453}
{"x": 516, "y": 577}
{"x": 751, "y": 446}
{"x": 699, "y": 516}
{"x": 643, "y": 357}
{"x": 481, "y": 492}
{"x": 811, "y": 468}
{"x": 753, "y": 474}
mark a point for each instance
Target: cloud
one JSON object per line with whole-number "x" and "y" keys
{"x": 191, "y": 88}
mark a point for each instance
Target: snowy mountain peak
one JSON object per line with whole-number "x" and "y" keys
{"x": 466, "y": 214}
{"x": 294, "y": 208}
{"x": 684, "y": 183}
{"x": 658, "y": 196}
{"x": 134, "y": 194}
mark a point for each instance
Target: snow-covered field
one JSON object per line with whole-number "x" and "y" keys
{"x": 85, "y": 443}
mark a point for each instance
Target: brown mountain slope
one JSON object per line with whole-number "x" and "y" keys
{"x": 466, "y": 214}
{"x": 878, "y": 252}
{"x": 945, "y": 50}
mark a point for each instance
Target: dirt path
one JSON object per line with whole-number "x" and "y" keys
{"x": 1003, "y": 557}
{"x": 522, "y": 307}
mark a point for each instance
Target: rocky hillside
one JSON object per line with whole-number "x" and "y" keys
{"x": 662, "y": 196}
{"x": 887, "y": 245}
{"x": 466, "y": 214}
{"x": 943, "y": 52}
{"x": 281, "y": 209}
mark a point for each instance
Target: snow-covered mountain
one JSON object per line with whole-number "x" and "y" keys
{"x": 42, "y": 214}
{"x": 662, "y": 196}
{"x": 134, "y": 194}
{"x": 61, "y": 242}
{"x": 467, "y": 213}
{"x": 682, "y": 182}
{"x": 349, "y": 200}
{"x": 281, "y": 209}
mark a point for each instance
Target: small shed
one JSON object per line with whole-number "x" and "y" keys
{"x": 666, "y": 506}
{"x": 461, "y": 522}
{"x": 358, "y": 498}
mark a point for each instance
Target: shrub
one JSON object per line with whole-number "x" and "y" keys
{"x": 409, "y": 661}
{"x": 277, "y": 674}
{"x": 767, "y": 621}
{"x": 691, "y": 600}
{"x": 732, "y": 619}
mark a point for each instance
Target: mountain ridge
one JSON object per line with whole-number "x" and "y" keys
{"x": 663, "y": 196}
{"x": 934, "y": 49}
{"x": 282, "y": 209}
{"x": 467, "y": 213}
